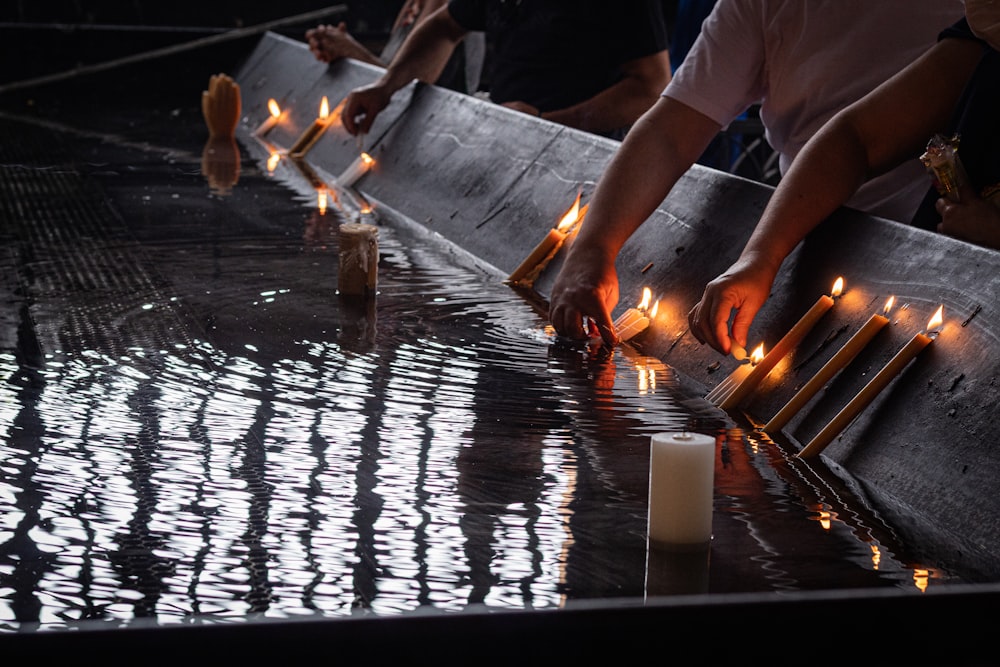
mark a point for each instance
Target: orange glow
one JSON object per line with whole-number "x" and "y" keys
{"x": 367, "y": 160}
{"x": 324, "y": 108}
{"x": 888, "y": 305}
{"x": 825, "y": 519}
{"x": 920, "y": 579}
{"x": 937, "y": 320}
{"x": 571, "y": 216}
{"x": 876, "y": 556}
{"x": 321, "y": 201}
{"x": 273, "y": 107}
{"x": 838, "y": 287}
{"x": 647, "y": 296}
{"x": 757, "y": 355}
{"x": 272, "y": 162}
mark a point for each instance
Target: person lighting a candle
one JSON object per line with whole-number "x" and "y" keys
{"x": 953, "y": 88}
{"x": 747, "y": 52}
{"x": 329, "y": 43}
{"x": 595, "y": 65}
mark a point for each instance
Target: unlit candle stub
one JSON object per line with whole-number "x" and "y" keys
{"x": 681, "y": 481}
{"x": 358, "y": 272}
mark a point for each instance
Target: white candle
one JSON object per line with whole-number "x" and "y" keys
{"x": 681, "y": 481}
{"x": 356, "y": 170}
{"x": 271, "y": 120}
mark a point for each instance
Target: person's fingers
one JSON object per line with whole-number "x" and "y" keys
{"x": 568, "y": 322}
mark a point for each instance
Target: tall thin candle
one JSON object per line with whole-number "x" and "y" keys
{"x": 788, "y": 343}
{"x": 314, "y": 131}
{"x": 549, "y": 245}
{"x": 843, "y": 357}
{"x": 876, "y": 385}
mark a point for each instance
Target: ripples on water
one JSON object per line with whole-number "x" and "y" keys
{"x": 217, "y": 434}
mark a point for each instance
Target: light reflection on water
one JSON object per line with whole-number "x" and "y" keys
{"x": 230, "y": 439}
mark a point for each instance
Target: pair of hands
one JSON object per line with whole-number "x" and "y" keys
{"x": 329, "y": 43}
{"x": 587, "y": 289}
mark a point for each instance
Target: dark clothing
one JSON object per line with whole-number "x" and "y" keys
{"x": 553, "y": 54}
{"x": 977, "y": 122}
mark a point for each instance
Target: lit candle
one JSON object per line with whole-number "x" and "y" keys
{"x": 358, "y": 270}
{"x": 843, "y": 357}
{"x": 271, "y": 120}
{"x": 876, "y": 385}
{"x": 733, "y": 380}
{"x": 356, "y": 170}
{"x": 788, "y": 343}
{"x": 681, "y": 479}
{"x": 548, "y": 246}
{"x": 314, "y": 131}
{"x": 636, "y": 320}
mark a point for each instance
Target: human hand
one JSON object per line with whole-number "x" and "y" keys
{"x": 362, "y": 106}
{"x": 586, "y": 289}
{"x": 971, "y": 219}
{"x": 744, "y": 286}
{"x": 523, "y": 107}
{"x": 331, "y": 43}
{"x": 220, "y": 105}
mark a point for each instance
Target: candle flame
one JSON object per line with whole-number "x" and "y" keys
{"x": 838, "y": 287}
{"x": 321, "y": 201}
{"x": 652, "y": 311}
{"x": 647, "y": 296}
{"x": 937, "y": 319}
{"x": 324, "y": 108}
{"x": 888, "y": 304}
{"x": 757, "y": 355}
{"x": 571, "y": 216}
{"x": 273, "y": 160}
{"x": 367, "y": 160}
{"x": 273, "y": 107}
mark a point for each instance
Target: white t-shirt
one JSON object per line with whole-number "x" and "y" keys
{"x": 804, "y": 60}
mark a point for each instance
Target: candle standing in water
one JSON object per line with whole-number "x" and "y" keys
{"x": 874, "y": 387}
{"x": 681, "y": 486}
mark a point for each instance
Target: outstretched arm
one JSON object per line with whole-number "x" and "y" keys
{"x": 878, "y": 132}
{"x": 661, "y": 146}
{"x": 423, "y": 56}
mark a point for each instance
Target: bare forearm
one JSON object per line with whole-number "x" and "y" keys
{"x": 661, "y": 146}
{"x": 425, "y": 52}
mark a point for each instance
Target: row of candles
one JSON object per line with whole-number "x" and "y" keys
{"x": 358, "y": 242}
{"x": 738, "y": 386}
{"x": 324, "y": 120}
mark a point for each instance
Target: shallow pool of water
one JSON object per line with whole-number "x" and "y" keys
{"x": 195, "y": 425}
